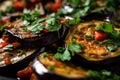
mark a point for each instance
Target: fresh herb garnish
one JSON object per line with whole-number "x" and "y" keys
{"x": 36, "y": 28}
{"x": 64, "y": 54}
{"x": 1, "y": 14}
{"x": 79, "y": 13}
{"x": 52, "y": 24}
{"x": 30, "y": 16}
{"x": 74, "y": 21}
{"x": 10, "y": 9}
{"x": 20, "y": 51}
{"x": 8, "y": 47}
{"x": 75, "y": 48}
{"x": 81, "y": 7}
{"x": 111, "y": 47}
{"x": 106, "y": 27}
{"x": 3, "y": 27}
{"x": 114, "y": 36}
{"x": 52, "y": 67}
{"x": 102, "y": 75}
{"x": 44, "y": 54}
{"x": 88, "y": 37}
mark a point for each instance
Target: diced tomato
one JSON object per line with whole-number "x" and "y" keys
{"x": 7, "y": 59}
{"x": 19, "y": 5}
{"x": 33, "y": 77}
{"x": 55, "y": 6}
{"x": 45, "y": 30}
{"x": 5, "y": 38}
{"x": 3, "y": 44}
{"x": 25, "y": 73}
{"x": 9, "y": 26}
{"x": 6, "y": 19}
{"x": 100, "y": 35}
{"x": 35, "y": 1}
{"x": 58, "y": 1}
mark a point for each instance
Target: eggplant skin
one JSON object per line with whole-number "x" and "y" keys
{"x": 41, "y": 69}
{"x": 41, "y": 39}
{"x": 104, "y": 16}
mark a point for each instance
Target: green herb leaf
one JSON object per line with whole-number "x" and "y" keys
{"x": 10, "y": 9}
{"x": 88, "y": 37}
{"x": 63, "y": 55}
{"x": 111, "y": 47}
{"x": 66, "y": 55}
{"x": 3, "y": 27}
{"x": 1, "y": 14}
{"x": 52, "y": 24}
{"x": 20, "y": 51}
{"x": 30, "y": 16}
{"x": 73, "y": 21}
{"x": 44, "y": 54}
{"x": 52, "y": 67}
{"x": 75, "y": 48}
{"x": 58, "y": 56}
{"x": 106, "y": 27}
{"x": 102, "y": 75}
{"x": 26, "y": 23}
{"x": 79, "y": 13}
{"x": 8, "y": 47}
{"x": 36, "y": 28}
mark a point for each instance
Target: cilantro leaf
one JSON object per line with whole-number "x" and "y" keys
{"x": 3, "y": 27}
{"x": 10, "y": 9}
{"x": 63, "y": 56}
{"x": 20, "y": 51}
{"x": 58, "y": 56}
{"x": 8, "y": 47}
{"x": 30, "y": 16}
{"x": 79, "y": 13}
{"x": 111, "y": 47}
{"x": 51, "y": 67}
{"x": 52, "y": 24}
{"x": 44, "y": 54}
{"x": 106, "y": 27}
{"x": 74, "y": 48}
{"x": 36, "y": 28}
{"x": 66, "y": 55}
{"x": 73, "y": 21}
{"x": 102, "y": 75}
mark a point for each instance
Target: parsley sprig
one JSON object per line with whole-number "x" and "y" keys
{"x": 102, "y": 75}
{"x": 34, "y": 23}
{"x": 65, "y": 54}
{"x": 29, "y": 16}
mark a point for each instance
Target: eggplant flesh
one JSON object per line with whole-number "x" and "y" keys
{"x": 15, "y": 54}
{"x": 91, "y": 52}
{"x": 42, "y": 66}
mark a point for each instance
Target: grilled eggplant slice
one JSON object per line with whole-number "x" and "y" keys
{"x": 13, "y": 55}
{"x": 32, "y": 37}
{"x": 47, "y": 67}
{"x": 100, "y": 45}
